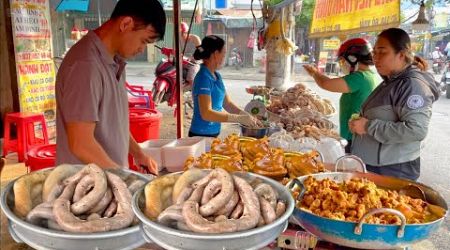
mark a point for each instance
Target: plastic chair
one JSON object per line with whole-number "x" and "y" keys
{"x": 26, "y": 134}
{"x": 139, "y": 96}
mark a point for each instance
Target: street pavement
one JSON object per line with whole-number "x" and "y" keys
{"x": 435, "y": 155}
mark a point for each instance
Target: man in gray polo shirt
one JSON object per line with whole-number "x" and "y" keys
{"x": 92, "y": 104}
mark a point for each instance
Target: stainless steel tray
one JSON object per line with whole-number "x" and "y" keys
{"x": 43, "y": 238}
{"x": 257, "y": 238}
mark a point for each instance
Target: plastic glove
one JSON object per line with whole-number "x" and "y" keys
{"x": 246, "y": 120}
{"x": 258, "y": 123}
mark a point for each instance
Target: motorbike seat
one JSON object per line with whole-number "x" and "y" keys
{"x": 163, "y": 68}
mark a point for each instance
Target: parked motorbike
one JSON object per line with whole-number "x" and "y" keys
{"x": 236, "y": 59}
{"x": 438, "y": 64}
{"x": 445, "y": 81}
{"x": 164, "y": 86}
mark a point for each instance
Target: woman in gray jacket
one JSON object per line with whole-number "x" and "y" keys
{"x": 394, "y": 119}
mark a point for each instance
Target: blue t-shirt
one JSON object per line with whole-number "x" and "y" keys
{"x": 205, "y": 84}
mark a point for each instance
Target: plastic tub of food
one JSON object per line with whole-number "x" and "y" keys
{"x": 176, "y": 152}
{"x": 153, "y": 148}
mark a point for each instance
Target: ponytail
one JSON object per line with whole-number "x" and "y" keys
{"x": 420, "y": 63}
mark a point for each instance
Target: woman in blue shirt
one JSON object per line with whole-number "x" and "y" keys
{"x": 212, "y": 105}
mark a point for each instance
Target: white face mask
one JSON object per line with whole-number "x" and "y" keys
{"x": 345, "y": 67}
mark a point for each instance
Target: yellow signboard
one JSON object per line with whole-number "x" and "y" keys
{"x": 36, "y": 86}
{"x": 331, "y": 44}
{"x": 337, "y": 17}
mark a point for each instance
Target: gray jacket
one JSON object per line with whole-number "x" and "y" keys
{"x": 399, "y": 111}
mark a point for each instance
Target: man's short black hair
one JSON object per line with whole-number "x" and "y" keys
{"x": 144, "y": 12}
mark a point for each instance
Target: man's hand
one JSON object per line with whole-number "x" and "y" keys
{"x": 146, "y": 164}
{"x": 358, "y": 126}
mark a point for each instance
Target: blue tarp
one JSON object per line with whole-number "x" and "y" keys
{"x": 76, "y": 5}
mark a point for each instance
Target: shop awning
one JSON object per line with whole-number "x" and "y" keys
{"x": 75, "y": 5}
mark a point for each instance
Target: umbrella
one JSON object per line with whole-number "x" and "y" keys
{"x": 76, "y": 5}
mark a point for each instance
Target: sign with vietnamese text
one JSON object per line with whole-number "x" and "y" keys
{"x": 331, "y": 44}
{"x": 36, "y": 86}
{"x": 31, "y": 28}
{"x": 34, "y": 58}
{"x": 341, "y": 17}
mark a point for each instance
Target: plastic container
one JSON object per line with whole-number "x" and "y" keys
{"x": 331, "y": 149}
{"x": 153, "y": 148}
{"x": 41, "y": 157}
{"x": 176, "y": 152}
{"x": 144, "y": 123}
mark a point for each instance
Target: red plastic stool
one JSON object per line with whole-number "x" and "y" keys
{"x": 26, "y": 136}
{"x": 40, "y": 157}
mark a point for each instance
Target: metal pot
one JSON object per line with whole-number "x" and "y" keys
{"x": 370, "y": 236}
{"x": 43, "y": 238}
{"x": 256, "y": 238}
{"x": 254, "y": 132}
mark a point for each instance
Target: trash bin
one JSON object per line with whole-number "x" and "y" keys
{"x": 144, "y": 123}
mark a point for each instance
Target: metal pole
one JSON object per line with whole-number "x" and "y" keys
{"x": 99, "y": 14}
{"x": 178, "y": 66}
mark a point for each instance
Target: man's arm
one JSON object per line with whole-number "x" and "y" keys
{"x": 143, "y": 161}
{"x": 84, "y": 146}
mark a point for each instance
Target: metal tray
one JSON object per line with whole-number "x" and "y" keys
{"x": 370, "y": 236}
{"x": 43, "y": 238}
{"x": 257, "y": 238}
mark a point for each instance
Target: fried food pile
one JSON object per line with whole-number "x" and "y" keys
{"x": 350, "y": 200}
{"x": 302, "y": 113}
{"x": 300, "y": 97}
{"x": 234, "y": 154}
{"x": 303, "y": 164}
{"x": 208, "y": 161}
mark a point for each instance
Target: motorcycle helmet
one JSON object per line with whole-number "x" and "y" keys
{"x": 356, "y": 50}
{"x": 184, "y": 27}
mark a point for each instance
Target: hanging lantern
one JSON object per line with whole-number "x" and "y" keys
{"x": 421, "y": 23}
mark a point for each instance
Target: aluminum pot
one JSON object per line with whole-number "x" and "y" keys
{"x": 43, "y": 238}
{"x": 253, "y": 132}
{"x": 364, "y": 235}
{"x": 256, "y": 238}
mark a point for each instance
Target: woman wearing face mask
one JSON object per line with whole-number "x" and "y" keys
{"x": 212, "y": 105}
{"x": 354, "y": 58}
{"x": 395, "y": 117}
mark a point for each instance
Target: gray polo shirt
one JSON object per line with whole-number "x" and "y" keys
{"x": 90, "y": 87}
